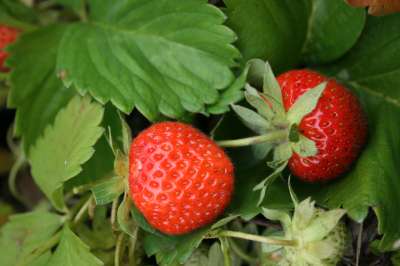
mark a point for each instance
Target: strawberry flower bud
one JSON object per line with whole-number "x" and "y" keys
{"x": 320, "y": 235}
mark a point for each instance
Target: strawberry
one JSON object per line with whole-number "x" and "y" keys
{"x": 180, "y": 180}
{"x": 7, "y": 36}
{"x": 310, "y": 122}
{"x": 337, "y": 125}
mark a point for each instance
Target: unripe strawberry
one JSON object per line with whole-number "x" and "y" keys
{"x": 7, "y": 36}
{"x": 180, "y": 180}
{"x": 320, "y": 236}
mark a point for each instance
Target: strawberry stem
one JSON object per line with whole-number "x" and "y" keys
{"x": 271, "y": 137}
{"x": 257, "y": 238}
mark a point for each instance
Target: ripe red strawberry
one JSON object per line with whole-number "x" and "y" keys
{"x": 7, "y": 36}
{"x": 180, "y": 180}
{"x": 337, "y": 126}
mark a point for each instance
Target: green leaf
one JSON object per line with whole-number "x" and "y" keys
{"x": 231, "y": 95}
{"x": 172, "y": 250}
{"x": 24, "y": 233}
{"x": 374, "y": 63}
{"x": 36, "y": 92}
{"x": 282, "y": 31}
{"x": 396, "y": 258}
{"x": 327, "y": 19}
{"x": 42, "y": 260}
{"x": 215, "y": 256}
{"x": 72, "y": 252}
{"x": 162, "y": 57}
{"x": 125, "y": 221}
{"x": 198, "y": 258}
{"x": 108, "y": 190}
{"x": 15, "y": 13}
{"x": 305, "y": 104}
{"x": 65, "y": 146}
{"x": 269, "y": 29}
{"x": 99, "y": 234}
{"x": 101, "y": 164}
{"x": 245, "y": 201}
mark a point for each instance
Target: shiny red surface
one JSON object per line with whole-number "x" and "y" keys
{"x": 337, "y": 125}
{"x": 179, "y": 179}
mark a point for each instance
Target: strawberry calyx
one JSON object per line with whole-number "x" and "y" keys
{"x": 320, "y": 235}
{"x": 310, "y": 236}
{"x": 271, "y": 122}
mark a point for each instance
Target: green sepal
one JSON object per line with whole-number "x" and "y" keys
{"x": 305, "y": 104}
{"x": 261, "y": 74}
{"x": 108, "y": 190}
{"x": 283, "y": 152}
{"x": 303, "y": 214}
{"x": 125, "y": 221}
{"x": 277, "y": 215}
{"x": 304, "y": 147}
{"x": 263, "y": 185}
{"x": 251, "y": 119}
{"x": 322, "y": 225}
{"x": 254, "y": 98}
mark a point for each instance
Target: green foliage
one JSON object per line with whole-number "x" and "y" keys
{"x": 24, "y": 233}
{"x": 373, "y": 64}
{"x": 15, "y": 13}
{"x": 72, "y": 80}
{"x": 373, "y": 180}
{"x": 34, "y": 85}
{"x": 106, "y": 191}
{"x": 72, "y": 252}
{"x": 161, "y": 57}
{"x": 172, "y": 250}
{"x": 286, "y": 32}
{"x": 66, "y": 153}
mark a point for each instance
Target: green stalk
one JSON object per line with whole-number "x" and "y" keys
{"x": 41, "y": 250}
{"x": 261, "y": 239}
{"x": 82, "y": 211}
{"x": 118, "y": 249}
{"x": 271, "y": 137}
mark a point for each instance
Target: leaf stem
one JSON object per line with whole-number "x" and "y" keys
{"x": 261, "y": 239}
{"x": 271, "y": 137}
{"x": 42, "y": 249}
{"x": 78, "y": 217}
{"x": 12, "y": 178}
{"x": 225, "y": 251}
{"x": 118, "y": 249}
{"x": 113, "y": 216}
{"x": 82, "y": 13}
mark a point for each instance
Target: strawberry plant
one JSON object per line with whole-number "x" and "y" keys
{"x": 169, "y": 132}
